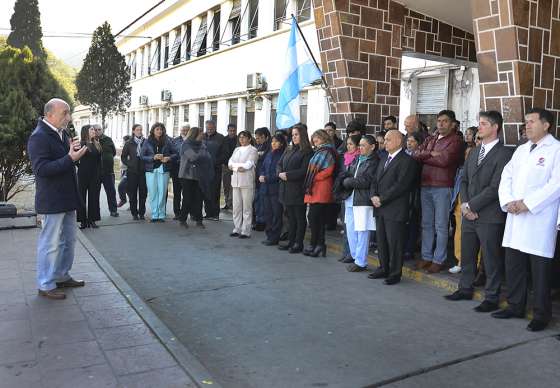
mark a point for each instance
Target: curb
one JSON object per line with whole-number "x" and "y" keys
{"x": 190, "y": 364}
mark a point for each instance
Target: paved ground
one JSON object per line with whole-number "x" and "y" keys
{"x": 92, "y": 339}
{"x": 258, "y": 317}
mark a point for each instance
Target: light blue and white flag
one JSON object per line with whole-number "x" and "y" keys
{"x": 300, "y": 71}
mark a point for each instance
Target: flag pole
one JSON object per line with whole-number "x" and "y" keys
{"x": 324, "y": 81}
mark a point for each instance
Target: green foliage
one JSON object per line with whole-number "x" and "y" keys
{"x": 64, "y": 74}
{"x": 26, "y": 27}
{"x": 102, "y": 82}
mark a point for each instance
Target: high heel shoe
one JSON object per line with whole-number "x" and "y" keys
{"x": 308, "y": 250}
{"x": 284, "y": 247}
{"x": 83, "y": 225}
{"x": 319, "y": 250}
{"x": 296, "y": 248}
{"x": 93, "y": 225}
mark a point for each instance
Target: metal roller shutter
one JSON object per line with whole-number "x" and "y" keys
{"x": 431, "y": 95}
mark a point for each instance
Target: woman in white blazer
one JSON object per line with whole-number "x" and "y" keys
{"x": 243, "y": 163}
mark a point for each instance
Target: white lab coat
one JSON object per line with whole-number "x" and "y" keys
{"x": 533, "y": 177}
{"x": 246, "y": 157}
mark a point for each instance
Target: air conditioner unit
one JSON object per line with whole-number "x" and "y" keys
{"x": 165, "y": 95}
{"x": 143, "y": 100}
{"x": 255, "y": 81}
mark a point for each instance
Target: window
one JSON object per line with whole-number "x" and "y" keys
{"x": 175, "y": 120}
{"x": 147, "y": 53}
{"x": 216, "y": 33}
{"x": 253, "y": 18}
{"x": 272, "y": 125}
{"x": 142, "y": 61}
{"x": 233, "y": 111}
{"x": 250, "y": 115}
{"x": 214, "y": 111}
{"x": 303, "y": 10}
{"x": 199, "y": 45}
{"x": 235, "y": 22}
{"x": 431, "y": 97}
{"x": 166, "y": 52}
{"x": 187, "y": 41}
{"x": 201, "y": 115}
{"x": 186, "y": 113}
{"x": 175, "y": 54}
{"x": 279, "y": 13}
{"x": 303, "y": 107}
{"x": 132, "y": 65}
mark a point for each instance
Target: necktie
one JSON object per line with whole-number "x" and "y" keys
{"x": 387, "y": 162}
{"x": 481, "y": 155}
{"x": 533, "y": 146}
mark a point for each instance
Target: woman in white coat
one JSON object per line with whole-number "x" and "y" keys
{"x": 530, "y": 193}
{"x": 243, "y": 163}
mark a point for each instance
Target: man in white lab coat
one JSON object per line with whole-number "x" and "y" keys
{"x": 530, "y": 193}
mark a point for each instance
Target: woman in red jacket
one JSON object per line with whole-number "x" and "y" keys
{"x": 319, "y": 190}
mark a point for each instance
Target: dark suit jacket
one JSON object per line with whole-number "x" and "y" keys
{"x": 393, "y": 186}
{"x": 294, "y": 163}
{"x": 479, "y": 184}
{"x": 56, "y": 189}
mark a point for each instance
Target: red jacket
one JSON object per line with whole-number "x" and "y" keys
{"x": 439, "y": 171}
{"x": 322, "y": 189}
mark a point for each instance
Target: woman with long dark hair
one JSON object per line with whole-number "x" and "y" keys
{"x": 292, "y": 169}
{"x": 196, "y": 171}
{"x": 135, "y": 173}
{"x": 318, "y": 185}
{"x": 158, "y": 153}
{"x": 268, "y": 190}
{"x": 89, "y": 179}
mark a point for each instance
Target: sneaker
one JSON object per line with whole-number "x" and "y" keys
{"x": 455, "y": 269}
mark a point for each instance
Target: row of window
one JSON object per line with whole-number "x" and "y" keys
{"x": 180, "y": 46}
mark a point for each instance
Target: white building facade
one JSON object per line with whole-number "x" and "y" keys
{"x": 214, "y": 60}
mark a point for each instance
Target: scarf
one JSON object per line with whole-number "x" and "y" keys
{"x": 138, "y": 141}
{"x": 363, "y": 158}
{"x": 323, "y": 158}
{"x": 349, "y": 157}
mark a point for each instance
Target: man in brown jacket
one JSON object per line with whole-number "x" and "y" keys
{"x": 440, "y": 155}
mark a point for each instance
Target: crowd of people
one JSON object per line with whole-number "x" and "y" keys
{"x": 435, "y": 195}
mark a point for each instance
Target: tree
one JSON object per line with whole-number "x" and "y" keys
{"x": 26, "y": 27}
{"x": 102, "y": 82}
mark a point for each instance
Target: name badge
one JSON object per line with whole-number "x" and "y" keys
{"x": 540, "y": 162}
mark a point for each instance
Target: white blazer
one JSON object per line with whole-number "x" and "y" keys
{"x": 245, "y": 157}
{"x": 533, "y": 177}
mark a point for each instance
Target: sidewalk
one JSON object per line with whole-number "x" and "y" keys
{"x": 94, "y": 338}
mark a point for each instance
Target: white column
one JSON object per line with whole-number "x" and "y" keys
{"x": 193, "y": 115}
{"x": 153, "y": 48}
{"x": 207, "y": 111}
{"x": 316, "y": 109}
{"x": 172, "y": 35}
{"x": 223, "y": 116}
{"x": 244, "y": 20}
{"x": 225, "y": 27}
{"x": 162, "y": 53}
{"x": 183, "y": 42}
{"x": 241, "y": 108}
{"x": 211, "y": 29}
{"x": 266, "y": 17}
{"x": 262, "y": 116}
{"x": 138, "y": 63}
{"x": 195, "y": 25}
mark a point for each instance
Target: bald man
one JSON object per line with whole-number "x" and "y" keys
{"x": 390, "y": 192}
{"x": 411, "y": 124}
{"x": 52, "y": 153}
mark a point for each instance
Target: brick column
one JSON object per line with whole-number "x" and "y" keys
{"x": 518, "y": 51}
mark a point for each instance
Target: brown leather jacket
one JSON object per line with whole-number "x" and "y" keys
{"x": 439, "y": 171}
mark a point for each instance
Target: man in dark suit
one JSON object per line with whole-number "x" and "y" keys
{"x": 483, "y": 219}
{"x": 53, "y": 153}
{"x": 390, "y": 192}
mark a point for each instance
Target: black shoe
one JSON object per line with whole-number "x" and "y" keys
{"x": 486, "y": 307}
{"x": 392, "y": 280}
{"x": 296, "y": 248}
{"x": 135, "y": 218}
{"x": 93, "y": 225}
{"x": 355, "y": 268}
{"x": 269, "y": 243}
{"x": 507, "y": 313}
{"x": 377, "y": 274}
{"x": 142, "y": 217}
{"x": 307, "y": 251}
{"x": 233, "y": 234}
{"x": 536, "y": 325}
{"x": 284, "y": 247}
{"x": 348, "y": 260}
{"x": 83, "y": 225}
{"x": 320, "y": 250}
{"x": 244, "y": 236}
{"x": 344, "y": 258}
{"x": 114, "y": 214}
{"x": 459, "y": 295}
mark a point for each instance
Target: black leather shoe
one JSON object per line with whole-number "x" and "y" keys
{"x": 392, "y": 280}
{"x": 135, "y": 218}
{"x": 377, "y": 274}
{"x": 284, "y": 247}
{"x": 355, "y": 268}
{"x": 142, "y": 217}
{"x": 320, "y": 250}
{"x": 486, "y": 307}
{"x": 244, "y": 236}
{"x": 536, "y": 325}
{"x": 296, "y": 248}
{"x": 71, "y": 283}
{"x": 83, "y": 225}
{"x": 308, "y": 250}
{"x": 348, "y": 260}
{"x": 234, "y": 234}
{"x": 507, "y": 314}
{"x": 269, "y": 243}
{"x": 459, "y": 295}
{"x": 93, "y": 225}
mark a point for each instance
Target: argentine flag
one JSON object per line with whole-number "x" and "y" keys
{"x": 300, "y": 71}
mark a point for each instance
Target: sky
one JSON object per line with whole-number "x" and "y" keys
{"x": 64, "y": 16}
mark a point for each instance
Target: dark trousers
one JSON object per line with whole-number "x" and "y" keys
{"x": 318, "y": 214}
{"x": 333, "y": 209}
{"x": 212, "y": 203}
{"x": 122, "y": 188}
{"x": 517, "y": 263}
{"x": 258, "y": 207}
{"x": 391, "y": 236}
{"x": 296, "y": 224}
{"x": 108, "y": 182}
{"x": 137, "y": 193}
{"x": 487, "y": 238}
{"x": 89, "y": 191}
{"x": 273, "y": 210}
{"x": 177, "y": 189}
{"x": 226, "y": 181}
{"x": 192, "y": 200}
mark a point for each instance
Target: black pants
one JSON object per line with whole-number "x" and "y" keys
{"x": 122, "y": 188}
{"x": 89, "y": 191}
{"x": 318, "y": 215}
{"x": 108, "y": 181}
{"x": 333, "y": 210}
{"x": 177, "y": 190}
{"x": 516, "y": 279}
{"x": 137, "y": 193}
{"x": 212, "y": 204}
{"x": 391, "y": 236}
{"x": 192, "y": 200}
{"x": 296, "y": 224}
{"x": 487, "y": 238}
{"x": 273, "y": 214}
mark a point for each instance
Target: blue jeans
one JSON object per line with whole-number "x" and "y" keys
{"x": 157, "y": 182}
{"x": 55, "y": 249}
{"x": 435, "y": 222}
